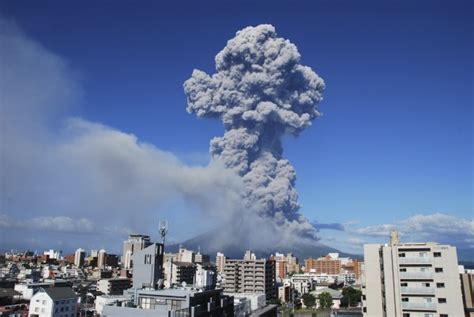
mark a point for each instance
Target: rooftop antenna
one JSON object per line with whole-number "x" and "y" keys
{"x": 163, "y": 230}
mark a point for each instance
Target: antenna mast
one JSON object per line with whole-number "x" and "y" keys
{"x": 163, "y": 230}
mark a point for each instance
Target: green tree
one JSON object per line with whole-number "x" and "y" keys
{"x": 309, "y": 300}
{"x": 325, "y": 300}
{"x": 350, "y": 297}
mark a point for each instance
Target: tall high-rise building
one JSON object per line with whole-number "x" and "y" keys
{"x": 280, "y": 266}
{"x": 79, "y": 257}
{"x": 135, "y": 242}
{"x": 101, "y": 259}
{"x": 411, "y": 280}
{"x": 467, "y": 287}
{"x": 148, "y": 266}
{"x": 250, "y": 276}
{"x": 292, "y": 265}
{"x": 220, "y": 262}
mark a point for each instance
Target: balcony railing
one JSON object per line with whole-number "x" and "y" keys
{"x": 416, "y": 275}
{"x": 418, "y": 290}
{"x": 420, "y": 305}
{"x": 415, "y": 260}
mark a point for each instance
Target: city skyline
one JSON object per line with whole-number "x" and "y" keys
{"x": 101, "y": 146}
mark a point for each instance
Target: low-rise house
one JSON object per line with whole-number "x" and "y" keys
{"x": 54, "y": 302}
{"x": 336, "y": 296}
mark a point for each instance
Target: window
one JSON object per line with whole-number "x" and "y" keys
{"x": 428, "y": 299}
{"x": 404, "y": 299}
{"x": 403, "y": 269}
{"x": 426, "y": 284}
{"x": 443, "y": 315}
{"x": 44, "y": 302}
{"x": 406, "y": 314}
{"x": 442, "y": 300}
{"x": 438, "y": 269}
{"x": 440, "y": 285}
{"x": 37, "y": 309}
{"x": 428, "y": 315}
{"x": 437, "y": 254}
{"x": 404, "y": 284}
{"x": 401, "y": 255}
{"x": 43, "y": 310}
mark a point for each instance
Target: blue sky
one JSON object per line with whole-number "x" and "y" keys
{"x": 396, "y": 136}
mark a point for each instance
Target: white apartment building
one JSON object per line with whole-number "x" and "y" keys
{"x": 204, "y": 278}
{"x": 54, "y": 302}
{"x": 135, "y": 243}
{"x": 79, "y": 257}
{"x": 411, "y": 280}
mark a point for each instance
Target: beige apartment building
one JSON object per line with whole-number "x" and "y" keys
{"x": 250, "y": 276}
{"x": 467, "y": 286}
{"x": 411, "y": 280}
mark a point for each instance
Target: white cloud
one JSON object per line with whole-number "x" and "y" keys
{"x": 56, "y": 224}
{"x": 437, "y": 227}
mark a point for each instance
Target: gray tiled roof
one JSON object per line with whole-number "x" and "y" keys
{"x": 60, "y": 293}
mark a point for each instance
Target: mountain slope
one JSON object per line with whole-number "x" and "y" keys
{"x": 206, "y": 243}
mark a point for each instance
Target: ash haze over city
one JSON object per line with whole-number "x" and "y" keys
{"x": 267, "y": 125}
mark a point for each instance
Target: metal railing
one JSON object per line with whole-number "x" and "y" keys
{"x": 420, "y": 305}
{"x": 416, "y": 275}
{"x": 415, "y": 260}
{"x": 417, "y": 290}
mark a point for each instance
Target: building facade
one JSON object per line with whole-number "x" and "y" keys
{"x": 102, "y": 259}
{"x": 411, "y": 280}
{"x": 220, "y": 262}
{"x": 148, "y": 267}
{"x": 79, "y": 257}
{"x": 324, "y": 265}
{"x": 250, "y": 276}
{"x": 178, "y": 272}
{"x": 172, "y": 302}
{"x": 467, "y": 287}
{"x": 135, "y": 243}
{"x": 54, "y": 302}
{"x": 113, "y": 286}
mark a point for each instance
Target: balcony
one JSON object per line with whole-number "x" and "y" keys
{"x": 418, "y": 290}
{"x": 415, "y": 260}
{"x": 416, "y": 275}
{"x": 420, "y": 306}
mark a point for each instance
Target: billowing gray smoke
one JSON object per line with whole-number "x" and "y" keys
{"x": 261, "y": 92}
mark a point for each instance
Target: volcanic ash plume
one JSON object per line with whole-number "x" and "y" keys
{"x": 260, "y": 91}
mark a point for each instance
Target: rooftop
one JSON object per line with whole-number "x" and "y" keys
{"x": 60, "y": 293}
